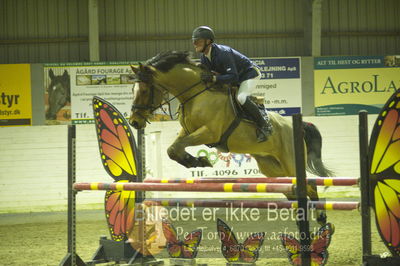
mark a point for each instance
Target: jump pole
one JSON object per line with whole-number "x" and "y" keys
{"x": 184, "y": 187}
{"x": 301, "y": 189}
{"x": 260, "y": 204}
{"x": 319, "y": 181}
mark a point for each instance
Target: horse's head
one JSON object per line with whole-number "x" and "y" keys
{"x": 59, "y": 93}
{"x": 147, "y": 96}
{"x": 168, "y": 72}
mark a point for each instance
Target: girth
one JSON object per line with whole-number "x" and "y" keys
{"x": 222, "y": 144}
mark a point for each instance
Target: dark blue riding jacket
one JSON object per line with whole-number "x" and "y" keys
{"x": 233, "y": 67}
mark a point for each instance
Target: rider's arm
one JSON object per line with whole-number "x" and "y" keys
{"x": 229, "y": 74}
{"x": 203, "y": 60}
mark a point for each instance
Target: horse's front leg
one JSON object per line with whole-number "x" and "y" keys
{"x": 177, "y": 150}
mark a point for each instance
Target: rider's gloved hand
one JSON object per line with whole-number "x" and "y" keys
{"x": 207, "y": 77}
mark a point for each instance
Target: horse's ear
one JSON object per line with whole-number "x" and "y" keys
{"x": 65, "y": 74}
{"x": 135, "y": 69}
{"x": 51, "y": 73}
{"x": 142, "y": 67}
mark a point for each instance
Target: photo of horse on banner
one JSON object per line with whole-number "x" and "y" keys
{"x": 57, "y": 95}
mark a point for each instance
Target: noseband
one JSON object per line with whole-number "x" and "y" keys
{"x": 148, "y": 80}
{"x": 149, "y": 105}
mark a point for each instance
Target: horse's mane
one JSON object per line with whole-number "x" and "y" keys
{"x": 165, "y": 61}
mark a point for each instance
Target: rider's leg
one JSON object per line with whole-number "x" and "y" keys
{"x": 252, "y": 109}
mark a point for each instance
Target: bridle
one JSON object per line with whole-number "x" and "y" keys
{"x": 150, "y": 106}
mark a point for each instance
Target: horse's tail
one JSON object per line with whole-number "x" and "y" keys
{"x": 313, "y": 140}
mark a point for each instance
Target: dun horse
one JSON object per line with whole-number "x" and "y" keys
{"x": 205, "y": 115}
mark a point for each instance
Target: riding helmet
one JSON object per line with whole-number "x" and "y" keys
{"x": 203, "y": 32}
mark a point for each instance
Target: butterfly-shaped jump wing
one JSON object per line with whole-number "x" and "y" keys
{"x": 384, "y": 155}
{"x": 176, "y": 248}
{"x": 119, "y": 208}
{"x": 232, "y": 250}
{"x": 117, "y": 151}
{"x": 116, "y": 143}
{"x": 319, "y": 246}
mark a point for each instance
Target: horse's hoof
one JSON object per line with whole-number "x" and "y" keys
{"x": 204, "y": 162}
{"x": 322, "y": 218}
{"x": 332, "y": 229}
{"x": 189, "y": 161}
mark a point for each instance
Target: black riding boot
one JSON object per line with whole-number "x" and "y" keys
{"x": 251, "y": 109}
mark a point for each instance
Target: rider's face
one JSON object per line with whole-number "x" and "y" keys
{"x": 199, "y": 45}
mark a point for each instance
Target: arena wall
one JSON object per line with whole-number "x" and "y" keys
{"x": 57, "y": 31}
{"x": 34, "y": 161}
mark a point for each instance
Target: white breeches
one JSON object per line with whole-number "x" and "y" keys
{"x": 246, "y": 88}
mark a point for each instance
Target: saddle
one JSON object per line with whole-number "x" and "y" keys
{"x": 240, "y": 115}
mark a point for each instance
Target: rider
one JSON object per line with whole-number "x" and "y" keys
{"x": 228, "y": 66}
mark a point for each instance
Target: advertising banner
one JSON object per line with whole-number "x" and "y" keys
{"x": 345, "y": 85}
{"x": 70, "y": 88}
{"x": 280, "y": 84}
{"x": 113, "y": 83}
{"x": 15, "y": 95}
{"x": 224, "y": 164}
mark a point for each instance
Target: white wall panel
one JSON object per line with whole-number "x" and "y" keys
{"x": 33, "y": 164}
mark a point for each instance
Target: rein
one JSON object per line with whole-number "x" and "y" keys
{"x": 179, "y": 94}
{"x": 152, "y": 108}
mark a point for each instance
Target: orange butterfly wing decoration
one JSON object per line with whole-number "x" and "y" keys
{"x": 176, "y": 248}
{"x": 384, "y": 156}
{"x": 319, "y": 246}
{"x": 116, "y": 142}
{"x": 233, "y": 251}
{"x": 120, "y": 207}
{"x": 117, "y": 150}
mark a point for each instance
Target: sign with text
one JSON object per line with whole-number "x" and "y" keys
{"x": 280, "y": 84}
{"x": 70, "y": 88}
{"x": 345, "y": 85}
{"x": 15, "y": 95}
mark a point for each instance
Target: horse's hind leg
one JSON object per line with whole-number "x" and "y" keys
{"x": 269, "y": 166}
{"x": 272, "y": 167}
{"x": 312, "y": 193}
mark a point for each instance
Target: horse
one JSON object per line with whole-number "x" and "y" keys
{"x": 205, "y": 114}
{"x": 59, "y": 92}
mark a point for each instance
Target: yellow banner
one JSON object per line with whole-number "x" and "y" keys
{"x": 348, "y": 90}
{"x": 15, "y": 95}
